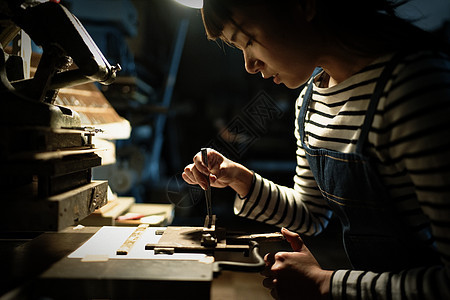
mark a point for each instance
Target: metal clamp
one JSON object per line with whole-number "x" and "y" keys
{"x": 256, "y": 266}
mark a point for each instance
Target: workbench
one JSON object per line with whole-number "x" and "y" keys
{"x": 47, "y": 266}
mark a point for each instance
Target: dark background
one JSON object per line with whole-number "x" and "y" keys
{"x": 208, "y": 105}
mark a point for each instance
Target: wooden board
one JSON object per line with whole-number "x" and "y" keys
{"x": 131, "y": 240}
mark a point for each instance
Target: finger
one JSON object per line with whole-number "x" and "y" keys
{"x": 279, "y": 264}
{"x": 293, "y": 239}
{"x": 269, "y": 283}
{"x": 215, "y": 160}
{"x": 267, "y": 272}
{"x": 200, "y": 178}
{"x": 274, "y": 292}
{"x": 187, "y": 179}
{"x": 187, "y": 174}
{"x": 198, "y": 162}
{"x": 212, "y": 178}
{"x": 269, "y": 258}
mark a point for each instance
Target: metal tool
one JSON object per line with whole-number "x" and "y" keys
{"x": 209, "y": 217}
{"x": 192, "y": 240}
{"x": 259, "y": 237}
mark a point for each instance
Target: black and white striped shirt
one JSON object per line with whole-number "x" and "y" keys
{"x": 410, "y": 140}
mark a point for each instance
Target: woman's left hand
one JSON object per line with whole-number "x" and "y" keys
{"x": 295, "y": 274}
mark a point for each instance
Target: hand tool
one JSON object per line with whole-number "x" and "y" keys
{"x": 209, "y": 216}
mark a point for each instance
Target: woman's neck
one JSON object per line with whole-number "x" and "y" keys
{"x": 341, "y": 64}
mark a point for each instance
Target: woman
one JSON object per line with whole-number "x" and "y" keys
{"x": 373, "y": 145}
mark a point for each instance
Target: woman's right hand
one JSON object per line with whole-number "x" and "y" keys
{"x": 222, "y": 172}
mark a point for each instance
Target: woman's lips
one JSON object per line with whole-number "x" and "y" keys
{"x": 276, "y": 79}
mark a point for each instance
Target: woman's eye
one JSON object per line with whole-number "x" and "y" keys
{"x": 249, "y": 43}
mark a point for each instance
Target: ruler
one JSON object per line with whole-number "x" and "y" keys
{"x": 132, "y": 239}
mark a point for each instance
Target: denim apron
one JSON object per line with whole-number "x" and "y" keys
{"x": 374, "y": 237}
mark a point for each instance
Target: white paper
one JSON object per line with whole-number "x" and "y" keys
{"x": 105, "y": 242}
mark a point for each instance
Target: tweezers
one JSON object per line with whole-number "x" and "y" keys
{"x": 204, "y": 152}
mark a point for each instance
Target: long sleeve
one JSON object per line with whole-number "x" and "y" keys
{"x": 301, "y": 208}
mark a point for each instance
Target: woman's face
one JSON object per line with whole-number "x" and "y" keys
{"x": 280, "y": 48}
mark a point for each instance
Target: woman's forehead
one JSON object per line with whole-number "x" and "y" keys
{"x": 230, "y": 32}
{"x": 233, "y": 30}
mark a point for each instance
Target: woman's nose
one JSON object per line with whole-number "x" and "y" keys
{"x": 252, "y": 65}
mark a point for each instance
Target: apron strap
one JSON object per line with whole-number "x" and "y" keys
{"x": 305, "y": 104}
{"x": 375, "y": 99}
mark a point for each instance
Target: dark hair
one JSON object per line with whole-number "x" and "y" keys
{"x": 217, "y": 13}
{"x": 362, "y": 26}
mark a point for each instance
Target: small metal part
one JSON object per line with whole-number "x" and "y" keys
{"x": 89, "y": 136}
{"x": 209, "y": 238}
{"x": 93, "y": 202}
{"x": 89, "y": 133}
{"x": 159, "y": 231}
{"x": 64, "y": 62}
{"x": 261, "y": 237}
{"x": 116, "y": 68}
{"x": 162, "y": 250}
